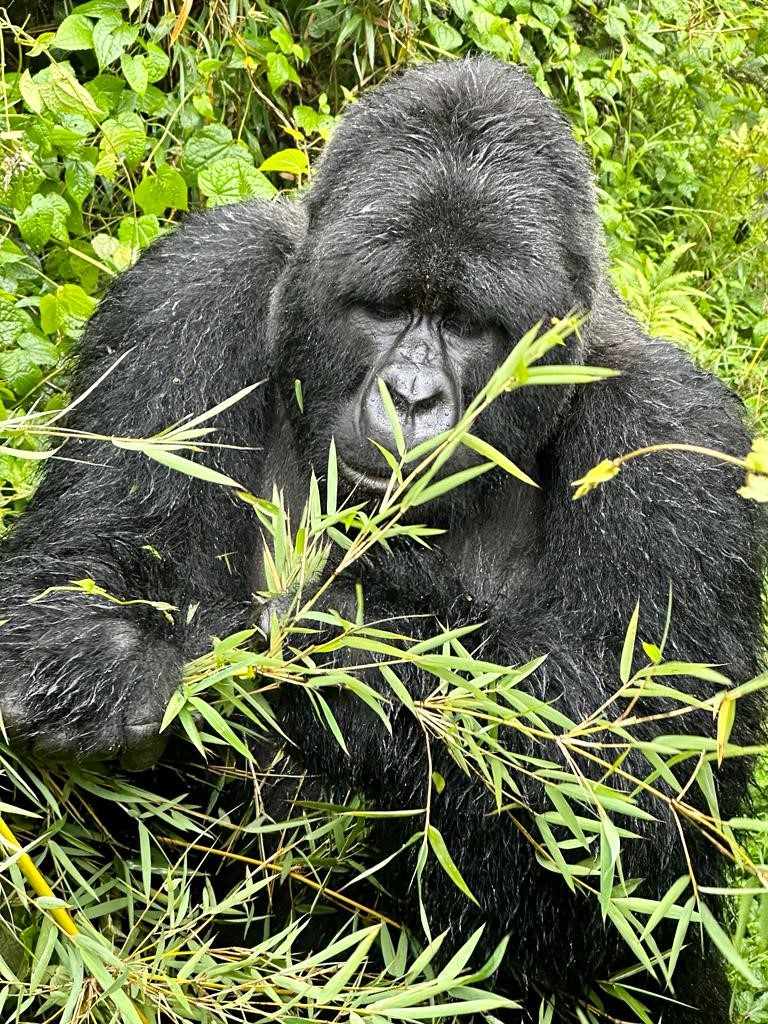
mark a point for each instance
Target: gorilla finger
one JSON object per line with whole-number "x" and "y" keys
{"x": 143, "y": 745}
{"x": 69, "y": 747}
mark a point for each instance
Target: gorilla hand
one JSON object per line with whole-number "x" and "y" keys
{"x": 81, "y": 687}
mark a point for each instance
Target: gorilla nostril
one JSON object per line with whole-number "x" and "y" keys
{"x": 400, "y": 402}
{"x": 415, "y": 389}
{"x": 432, "y": 403}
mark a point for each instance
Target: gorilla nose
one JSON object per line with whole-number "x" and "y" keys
{"x": 424, "y": 401}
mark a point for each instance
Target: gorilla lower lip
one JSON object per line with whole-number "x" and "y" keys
{"x": 363, "y": 479}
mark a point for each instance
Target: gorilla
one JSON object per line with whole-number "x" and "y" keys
{"x": 451, "y": 212}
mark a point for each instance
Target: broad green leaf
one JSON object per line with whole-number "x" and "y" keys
{"x": 156, "y": 62}
{"x": 107, "y": 92}
{"x": 13, "y": 322}
{"x": 310, "y": 122}
{"x": 101, "y": 8}
{"x": 112, "y": 251}
{"x": 42, "y": 351}
{"x": 230, "y": 180}
{"x": 31, "y": 92}
{"x": 279, "y": 72}
{"x": 164, "y": 190}
{"x": 57, "y": 89}
{"x": 20, "y": 371}
{"x": 44, "y": 218}
{"x": 111, "y": 37}
{"x": 135, "y": 71}
{"x": 124, "y": 138}
{"x": 283, "y": 38}
{"x": 79, "y": 177}
{"x": 445, "y": 36}
{"x": 66, "y": 309}
{"x": 287, "y": 161}
{"x": 20, "y": 182}
{"x": 138, "y": 232}
{"x": 74, "y": 33}
{"x": 212, "y": 142}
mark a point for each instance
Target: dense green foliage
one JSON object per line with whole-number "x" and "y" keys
{"x": 120, "y": 115}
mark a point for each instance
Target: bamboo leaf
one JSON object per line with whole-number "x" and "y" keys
{"x": 726, "y": 716}
{"x": 487, "y": 451}
{"x": 216, "y": 409}
{"x": 332, "y": 480}
{"x": 394, "y": 419}
{"x": 723, "y": 942}
{"x": 440, "y": 850}
{"x": 179, "y": 463}
{"x": 416, "y": 496}
{"x": 628, "y": 650}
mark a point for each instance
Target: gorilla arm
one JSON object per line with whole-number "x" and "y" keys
{"x": 84, "y": 676}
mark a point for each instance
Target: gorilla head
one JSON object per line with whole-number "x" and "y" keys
{"x": 451, "y": 212}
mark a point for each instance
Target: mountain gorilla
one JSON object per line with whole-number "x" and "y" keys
{"x": 452, "y": 211}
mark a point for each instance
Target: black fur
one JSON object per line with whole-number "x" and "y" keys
{"x": 455, "y": 187}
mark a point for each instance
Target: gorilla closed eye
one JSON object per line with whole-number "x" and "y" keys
{"x": 467, "y": 328}
{"x": 385, "y": 311}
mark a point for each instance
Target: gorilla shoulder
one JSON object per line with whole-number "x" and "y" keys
{"x": 219, "y": 262}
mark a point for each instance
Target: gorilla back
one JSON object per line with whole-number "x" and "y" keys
{"x": 451, "y": 212}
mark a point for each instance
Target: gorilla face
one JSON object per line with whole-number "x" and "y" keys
{"x": 424, "y": 360}
{"x": 449, "y": 215}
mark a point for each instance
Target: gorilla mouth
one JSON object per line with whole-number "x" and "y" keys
{"x": 368, "y": 480}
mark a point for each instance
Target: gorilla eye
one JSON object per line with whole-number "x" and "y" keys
{"x": 382, "y": 311}
{"x": 464, "y": 328}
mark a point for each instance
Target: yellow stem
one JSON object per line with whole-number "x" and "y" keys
{"x": 332, "y": 894}
{"x": 713, "y": 453}
{"x": 28, "y": 868}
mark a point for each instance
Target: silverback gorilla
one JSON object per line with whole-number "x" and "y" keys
{"x": 451, "y": 212}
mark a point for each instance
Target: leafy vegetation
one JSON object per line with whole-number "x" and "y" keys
{"x": 117, "y": 117}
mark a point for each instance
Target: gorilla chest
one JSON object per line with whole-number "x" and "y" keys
{"x": 496, "y": 553}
